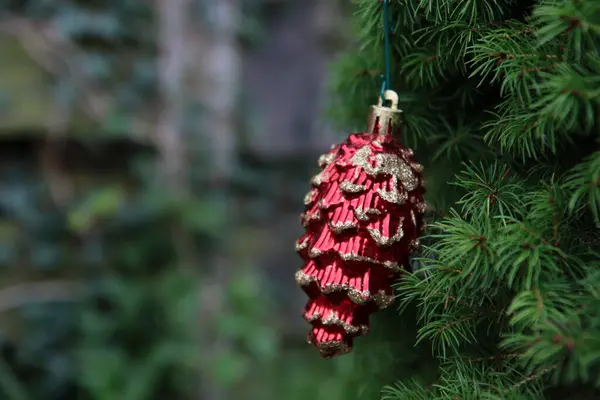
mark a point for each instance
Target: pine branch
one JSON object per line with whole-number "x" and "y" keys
{"x": 491, "y": 191}
{"x": 584, "y": 185}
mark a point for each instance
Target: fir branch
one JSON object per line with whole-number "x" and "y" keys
{"x": 519, "y": 257}
{"x": 565, "y": 336}
{"x": 491, "y": 56}
{"x": 490, "y": 191}
{"x": 422, "y": 65}
{"x": 570, "y": 95}
{"x": 546, "y": 209}
{"x": 554, "y": 301}
{"x": 472, "y": 11}
{"x": 575, "y": 20}
{"x": 530, "y": 378}
{"x": 584, "y": 185}
{"x": 524, "y": 257}
{"x": 462, "y": 244}
{"x": 468, "y": 381}
{"x": 458, "y": 142}
{"x": 493, "y": 358}
{"x": 447, "y": 333}
{"x": 451, "y": 42}
{"x": 522, "y": 131}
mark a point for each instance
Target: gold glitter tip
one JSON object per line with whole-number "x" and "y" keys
{"x": 309, "y": 196}
{"x": 383, "y": 300}
{"x": 382, "y": 240}
{"x": 308, "y": 217}
{"x": 394, "y": 266}
{"x": 364, "y": 215}
{"x": 332, "y": 348}
{"x": 319, "y": 178}
{"x": 417, "y": 167}
{"x": 326, "y": 159}
{"x": 333, "y": 319}
{"x": 358, "y": 297}
{"x": 302, "y": 245}
{"x": 341, "y": 226}
{"x": 354, "y": 257}
{"x": 349, "y": 187}
{"x": 394, "y": 195}
{"x": 385, "y": 164}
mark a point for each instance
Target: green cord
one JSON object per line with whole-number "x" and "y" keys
{"x": 387, "y": 83}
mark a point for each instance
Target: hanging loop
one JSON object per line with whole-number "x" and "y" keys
{"x": 384, "y": 119}
{"x": 392, "y": 97}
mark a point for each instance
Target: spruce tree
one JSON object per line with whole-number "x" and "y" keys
{"x": 501, "y": 101}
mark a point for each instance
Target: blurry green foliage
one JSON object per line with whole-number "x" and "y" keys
{"x": 136, "y": 333}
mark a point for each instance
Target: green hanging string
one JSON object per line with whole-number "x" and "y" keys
{"x": 387, "y": 82}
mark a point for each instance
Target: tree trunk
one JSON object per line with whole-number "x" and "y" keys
{"x": 219, "y": 96}
{"x": 172, "y": 20}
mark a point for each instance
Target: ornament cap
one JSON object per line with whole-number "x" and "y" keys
{"x": 385, "y": 120}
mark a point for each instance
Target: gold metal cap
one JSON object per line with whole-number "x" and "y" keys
{"x": 384, "y": 120}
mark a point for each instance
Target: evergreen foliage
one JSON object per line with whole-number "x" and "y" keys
{"x": 501, "y": 101}
{"x": 134, "y": 333}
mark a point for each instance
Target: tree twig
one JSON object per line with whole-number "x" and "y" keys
{"x": 23, "y": 294}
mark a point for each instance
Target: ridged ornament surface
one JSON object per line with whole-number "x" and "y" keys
{"x": 363, "y": 218}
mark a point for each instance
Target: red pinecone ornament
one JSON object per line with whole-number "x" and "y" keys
{"x": 363, "y": 218}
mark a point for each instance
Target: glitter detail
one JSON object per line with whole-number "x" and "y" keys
{"x": 308, "y": 197}
{"x": 341, "y": 226}
{"x": 364, "y": 215}
{"x": 302, "y": 245}
{"x": 414, "y": 244}
{"x": 324, "y": 206}
{"x": 385, "y": 164}
{"x": 364, "y": 183}
{"x": 381, "y": 240}
{"x": 331, "y": 348}
{"x": 314, "y": 253}
{"x": 326, "y": 159}
{"x": 394, "y": 195}
{"x": 417, "y": 167}
{"x": 319, "y": 178}
{"x": 333, "y": 319}
{"x": 356, "y": 296}
{"x": 407, "y": 152}
{"x": 308, "y": 217}
{"x": 303, "y": 279}
{"x": 383, "y": 300}
{"x": 349, "y": 187}
{"x": 354, "y": 257}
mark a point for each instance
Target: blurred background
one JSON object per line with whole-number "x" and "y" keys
{"x": 154, "y": 157}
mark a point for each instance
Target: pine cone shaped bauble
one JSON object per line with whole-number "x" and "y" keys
{"x": 363, "y": 218}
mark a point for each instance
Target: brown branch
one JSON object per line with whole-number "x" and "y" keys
{"x": 555, "y": 221}
{"x": 530, "y": 378}
{"x": 453, "y": 323}
{"x": 496, "y": 357}
{"x": 40, "y": 292}
{"x": 367, "y": 72}
{"x": 55, "y": 54}
{"x": 534, "y": 235}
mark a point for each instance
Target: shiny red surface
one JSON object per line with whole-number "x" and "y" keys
{"x": 344, "y": 270}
